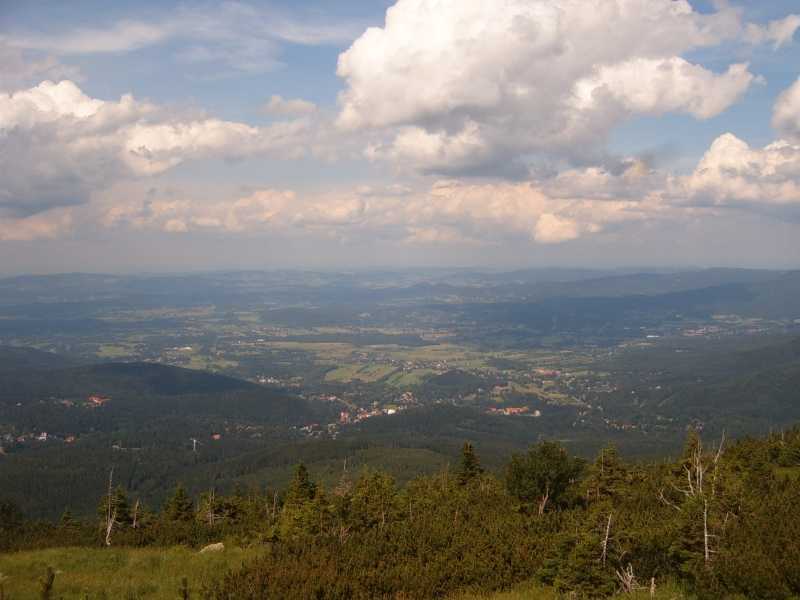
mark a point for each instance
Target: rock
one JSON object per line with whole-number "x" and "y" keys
{"x": 218, "y": 547}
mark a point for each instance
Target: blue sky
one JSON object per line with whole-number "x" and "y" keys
{"x": 530, "y": 134}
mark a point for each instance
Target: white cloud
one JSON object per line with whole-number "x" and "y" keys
{"x": 779, "y": 32}
{"x": 657, "y": 86}
{"x": 448, "y": 212}
{"x": 786, "y": 115}
{"x": 574, "y": 204}
{"x": 551, "y": 229}
{"x": 241, "y": 36}
{"x": 458, "y": 86}
{"x": 733, "y": 173}
{"x": 277, "y": 105}
{"x": 58, "y": 145}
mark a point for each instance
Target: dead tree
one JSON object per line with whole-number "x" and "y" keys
{"x": 211, "y": 508}
{"x": 111, "y": 509}
{"x": 135, "y": 523}
{"x": 604, "y": 555}
{"x": 696, "y": 488}
{"x": 545, "y": 497}
{"x": 627, "y": 579}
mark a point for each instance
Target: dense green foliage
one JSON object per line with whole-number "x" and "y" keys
{"x": 721, "y": 520}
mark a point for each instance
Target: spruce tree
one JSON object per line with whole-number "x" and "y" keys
{"x": 119, "y": 502}
{"x": 608, "y": 477}
{"x": 116, "y": 506}
{"x": 301, "y": 489}
{"x": 470, "y": 465}
{"x": 179, "y": 507}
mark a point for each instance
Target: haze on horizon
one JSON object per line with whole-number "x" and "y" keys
{"x": 169, "y": 136}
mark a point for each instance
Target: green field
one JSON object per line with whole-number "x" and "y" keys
{"x": 365, "y": 373}
{"x": 142, "y": 573}
{"x": 403, "y": 379}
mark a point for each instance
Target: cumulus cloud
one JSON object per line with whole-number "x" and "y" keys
{"x": 58, "y": 145}
{"x": 277, "y": 105}
{"x": 657, "y": 86}
{"x": 471, "y": 87}
{"x": 786, "y": 114}
{"x": 733, "y": 173}
{"x": 448, "y": 212}
{"x": 552, "y": 229}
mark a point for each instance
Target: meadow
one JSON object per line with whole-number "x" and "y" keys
{"x": 157, "y": 573}
{"x": 115, "y": 573}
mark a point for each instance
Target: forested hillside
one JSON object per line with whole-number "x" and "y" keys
{"x": 719, "y": 522}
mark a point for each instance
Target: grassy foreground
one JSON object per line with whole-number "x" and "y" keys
{"x": 156, "y": 573}
{"x": 124, "y": 573}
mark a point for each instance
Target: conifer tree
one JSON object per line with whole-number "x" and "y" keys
{"x": 301, "y": 489}
{"x": 120, "y": 504}
{"x": 608, "y": 477}
{"x": 115, "y": 504}
{"x": 583, "y": 574}
{"x": 372, "y": 501}
{"x": 542, "y": 475}
{"x": 179, "y": 506}
{"x": 470, "y": 466}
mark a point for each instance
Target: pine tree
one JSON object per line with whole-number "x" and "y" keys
{"x": 372, "y": 501}
{"x": 608, "y": 478}
{"x": 470, "y": 465}
{"x": 179, "y": 507}
{"x": 119, "y": 502}
{"x": 115, "y": 504}
{"x": 583, "y": 573}
{"x": 542, "y": 475}
{"x": 301, "y": 489}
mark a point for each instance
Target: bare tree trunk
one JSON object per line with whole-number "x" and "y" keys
{"x": 111, "y": 512}
{"x": 706, "y": 549}
{"x": 605, "y": 540}
{"x": 211, "y": 506}
{"x": 544, "y": 499}
{"x": 135, "y": 514}
{"x": 627, "y": 579}
{"x": 110, "y": 527}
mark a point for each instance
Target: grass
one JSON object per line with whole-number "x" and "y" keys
{"x": 366, "y": 374}
{"x": 112, "y": 351}
{"x": 201, "y": 362}
{"x": 410, "y": 378}
{"x": 527, "y": 591}
{"x": 792, "y": 473}
{"x": 141, "y": 573}
{"x": 156, "y": 573}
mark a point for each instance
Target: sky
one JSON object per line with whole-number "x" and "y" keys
{"x": 352, "y": 134}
